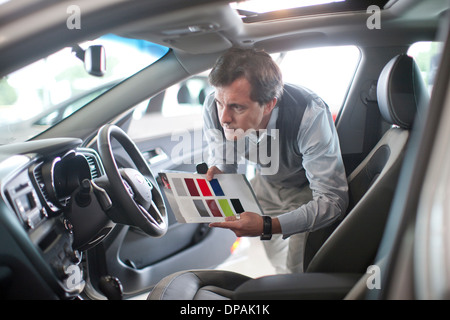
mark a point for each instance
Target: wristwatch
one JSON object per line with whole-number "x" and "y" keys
{"x": 267, "y": 228}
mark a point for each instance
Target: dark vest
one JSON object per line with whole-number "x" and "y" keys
{"x": 291, "y": 107}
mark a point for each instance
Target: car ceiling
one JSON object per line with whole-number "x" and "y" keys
{"x": 216, "y": 28}
{"x": 204, "y": 27}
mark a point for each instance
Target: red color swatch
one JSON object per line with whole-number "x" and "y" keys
{"x": 212, "y": 204}
{"x": 191, "y": 187}
{"x": 204, "y": 187}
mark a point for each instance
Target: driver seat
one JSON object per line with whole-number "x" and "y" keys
{"x": 352, "y": 247}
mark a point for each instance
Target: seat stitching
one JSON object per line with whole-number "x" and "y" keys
{"x": 172, "y": 280}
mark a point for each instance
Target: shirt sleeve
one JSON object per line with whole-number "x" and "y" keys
{"x": 220, "y": 151}
{"x": 319, "y": 144}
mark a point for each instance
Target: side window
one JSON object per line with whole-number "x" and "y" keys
{"x": 328, "y": 71}
{"x": 178, "y": 107}
{"x": 427, "y": 56}
{"x": 186, "y": 97}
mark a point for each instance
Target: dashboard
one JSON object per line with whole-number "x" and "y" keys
{"x": 51, "y": 210}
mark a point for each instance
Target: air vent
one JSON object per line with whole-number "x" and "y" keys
{"x": 92, "y": 165}
{"x": 40, "y": 182}
{"x": 93, "y": 160}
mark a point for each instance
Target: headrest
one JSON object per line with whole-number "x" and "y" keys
{"x": 401, "y": 91}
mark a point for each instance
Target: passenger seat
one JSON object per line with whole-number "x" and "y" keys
{"x": 401, "y": 92}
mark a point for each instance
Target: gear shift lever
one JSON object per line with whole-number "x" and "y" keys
{"x": 111, "y": 287}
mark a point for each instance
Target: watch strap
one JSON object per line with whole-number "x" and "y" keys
{"x": 267, "y": 228}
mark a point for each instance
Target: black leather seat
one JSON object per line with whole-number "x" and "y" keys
{"x": 351, "y": 248}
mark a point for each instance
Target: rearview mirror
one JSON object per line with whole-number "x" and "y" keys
{"x": 94, "y": 58}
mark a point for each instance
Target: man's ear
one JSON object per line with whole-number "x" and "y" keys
{"x": 270, "y": 105}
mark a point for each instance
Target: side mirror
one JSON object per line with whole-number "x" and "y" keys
{"x": 94, "y": 58}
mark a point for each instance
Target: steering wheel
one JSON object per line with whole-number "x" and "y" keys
{"x": 137, "y": 199}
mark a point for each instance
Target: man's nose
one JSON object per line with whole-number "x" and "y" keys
{"x": 225, "y": 116}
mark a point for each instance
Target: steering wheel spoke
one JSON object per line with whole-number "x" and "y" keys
{"x": 153, "y": 214}
{"x": 157, "y": 214}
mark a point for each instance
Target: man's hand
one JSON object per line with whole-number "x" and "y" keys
{"x": 249, "y": 224}
{"x": 211, "y": 172}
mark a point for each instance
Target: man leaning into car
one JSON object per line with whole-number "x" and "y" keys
{"x": 308, "y": 189}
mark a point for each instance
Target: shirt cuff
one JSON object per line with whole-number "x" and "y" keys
{"x": 290, "y": 224}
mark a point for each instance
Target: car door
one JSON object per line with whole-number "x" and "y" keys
{"x": 168, "y": 130}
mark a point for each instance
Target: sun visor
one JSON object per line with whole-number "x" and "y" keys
{"x": 200, "y": 43}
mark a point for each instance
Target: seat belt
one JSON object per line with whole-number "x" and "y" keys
{"x": 373, "y": 116}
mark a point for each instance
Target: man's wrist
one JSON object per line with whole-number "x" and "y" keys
{"x": 267, "y": 228}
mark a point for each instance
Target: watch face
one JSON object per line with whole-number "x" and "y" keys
{"x": 266, "y": 237}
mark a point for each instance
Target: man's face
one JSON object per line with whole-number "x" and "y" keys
{"x": 238, "y": 114}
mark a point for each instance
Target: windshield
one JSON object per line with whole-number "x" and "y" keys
{"x": 45, "y": 92}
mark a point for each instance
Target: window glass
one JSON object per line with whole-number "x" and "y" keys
{"x": 47, "y": 91}
{"x": 427, "y": 56}
{"x": 176, "y": 109}
{"x": 328, "y": 71}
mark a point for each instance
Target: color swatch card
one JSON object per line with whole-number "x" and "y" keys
{"x": 194, "y": 199}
